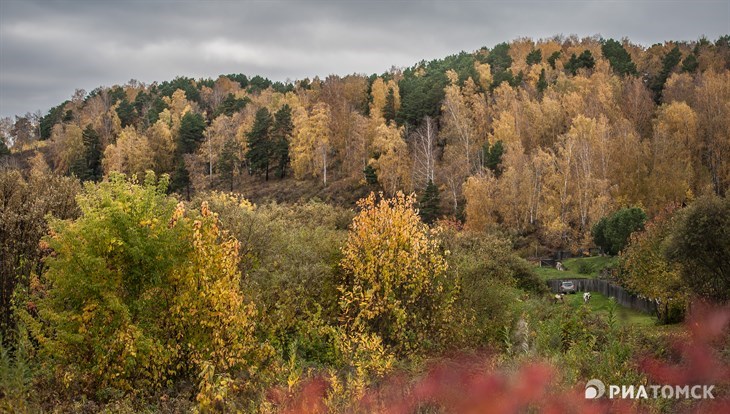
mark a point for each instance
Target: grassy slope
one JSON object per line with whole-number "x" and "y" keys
{"x": 601, "y": 304}
{"x": 591, "y": 266}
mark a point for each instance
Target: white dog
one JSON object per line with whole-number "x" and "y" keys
{"x": 586, "y": 297}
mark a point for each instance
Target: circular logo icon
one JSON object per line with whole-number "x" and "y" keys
{"x": 595, "y": 389}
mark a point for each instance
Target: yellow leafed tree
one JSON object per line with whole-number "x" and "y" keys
{"x": 130, "y": 155}
{"x": 310, "y": 145}
{"x": 392, "y": 164}
{"x": 395, "y": 286}
{"x": 675, "y": 137}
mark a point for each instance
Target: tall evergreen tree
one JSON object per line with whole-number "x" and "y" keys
{"x": 690, "y": 63}
{"x": 429, "y": 203}
{"x": 542, "y": 82}
{"x": 534, "y": 57}
{"x": 191, "y": 133}
{"x": 389, "y": 108}
{"x": 553, "y": 58}
{"x": 228, "y": 160}
{"x": 618, "y": 57}
{"x": 180, "y": 180}
{"x": 371, "y": 176}
{"x": 231, "y": 105}
{"x": 92, "y": 155}
{"x": 585, "y": 60}
{"x": 281, "y": 136}
{"x": 572, "y": 65}
{"x": 126, "y": 112}
{"x": 4, "y": 150}
{"x": 260, "y": 144}
{"x": 669, "y": 62}
{"x": 492, "y": 157}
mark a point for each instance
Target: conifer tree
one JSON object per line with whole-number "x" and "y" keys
{"x": 190, "y": 134}
{"x": 542, "y": 82}
{"x": 180, "y": 180}
{"x": 371, "y": 176}
{"x": 389, "y": 108}
{"x": 260, "y": 145}
{"x": 618, "y": 57}
{"x": 429, "y": 203}
{"x": 281, "y": 136}
{"x": 92, "y": 155}
{"x": 534, "y": 57}
{"x": 4, "y": 150}
{"x": 228, "y": 161}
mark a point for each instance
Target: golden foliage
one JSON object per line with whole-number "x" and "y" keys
{"x": 130, "y": 155}
{"x": 392, "y": 162}
{"x": 310, "y": 145}
{"x": 395, "y": 286}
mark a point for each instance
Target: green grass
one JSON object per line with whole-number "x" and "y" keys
{"x": 577, "y": 268}
{"x": 590, "y": 267}
{"x": 600, "y": 304}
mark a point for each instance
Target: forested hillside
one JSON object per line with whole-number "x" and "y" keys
{"x": 538, "y": 136}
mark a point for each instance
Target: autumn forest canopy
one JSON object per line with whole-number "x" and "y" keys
{"x": 241, "y": 244}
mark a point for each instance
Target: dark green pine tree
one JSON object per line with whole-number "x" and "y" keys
{"x": 180, "y": 180}
{"x": 572, "y": 65}
{"x": 690, "y": 63}
{"x": 618, "y": 57}
{"x": 281, "y": 136}
{"x": 389, "y": 108}
{"x": 260, "y": 144}
{"x": 231, "y": 105}
{"x": 4, "y": 150}
{"x": 229, "y": 160}
{"x": 191, "y": 133}
{"x": 371, "y": 176}
{"x": 553, "y": 58}
{"x": 92, "y": 155}
{"x": 126, "y": 112}
{"x": 534, "y": 57}
{"x": 586, "y": 60}
{"x": 542, "y": 82}
{"x": 495, "y": 158}
{"x": 429, "y": 203}
{"x": 669, "y": 62}
{"x": 492, "y": 157}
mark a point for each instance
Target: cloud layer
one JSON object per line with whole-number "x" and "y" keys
{"x": 48, "y": 49}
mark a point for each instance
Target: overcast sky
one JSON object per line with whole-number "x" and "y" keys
{"x": 50, "y": 48}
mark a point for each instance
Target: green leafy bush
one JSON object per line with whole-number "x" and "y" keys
{"x": 138, "y": 294}
{"x": 611, "y": 233}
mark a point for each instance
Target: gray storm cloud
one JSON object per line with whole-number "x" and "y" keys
{"x": 48, "y": 49}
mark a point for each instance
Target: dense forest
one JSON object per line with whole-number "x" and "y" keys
{"x": 238, "y": 244}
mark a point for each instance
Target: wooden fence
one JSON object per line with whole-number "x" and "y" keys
{"x": 608, "y": 289}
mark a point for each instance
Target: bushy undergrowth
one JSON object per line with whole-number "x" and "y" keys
{"x": 148, "y": 305}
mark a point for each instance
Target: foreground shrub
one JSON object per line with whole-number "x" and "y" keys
{"x": 289, "y": 260}
{"x": 700, "y": 243}
{"x": 138, "y": 295}
{"x": 646, "y": 270}
{"x": 477, "y": 384}
{"x": 25, "y": 204}
{"x": 492, "y": 279}
{"x": 395, "y": 276}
